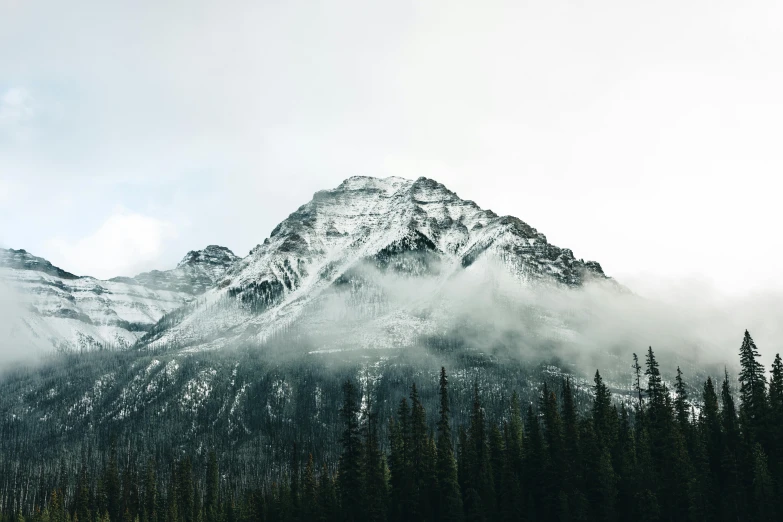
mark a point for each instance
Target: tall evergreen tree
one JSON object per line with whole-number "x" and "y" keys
{"x": 449, "y": 505}
{"x": 553, "y": 437}
{"x": 681, "y": 408}
{"x": 603, "y": 420}
{"x": 151, "y": 492}
{"x": 534, "y": 466}
{"x": 211, "y": 507}
{"x": 350, "y": 479}
{"x": 731, "y": 489}
{"x": 775, "y": 423}
{"x": 111, "y": 482}
{"x": 479, "y": 498}
{"x": 510, "y": 490}
{"x": 374, "y": 474}
{"x": 417, "y": 456}
{"x": 310, "y": 507}
{"x": 764, "y": 502}
{"x": 753, "y": 392}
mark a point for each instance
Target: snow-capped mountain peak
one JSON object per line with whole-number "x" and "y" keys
{"x": 417, "y": 227}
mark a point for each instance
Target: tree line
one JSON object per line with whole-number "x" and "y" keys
{"x": 663, "y": 456}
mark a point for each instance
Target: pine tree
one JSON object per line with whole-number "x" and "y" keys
{"x": 553, "y": 438}
{"x": 374, "y": 474}
{"x": 637, "y": 383}
{"x": 212, "y": 484}
{"x": 83, "y": 492}
{"x": 731, "y": 490}
{"x": 327, "y": 496}
{"x": 510, "y": 489}
{"x": 602, "y": 488}
{"x": 763, "y": 491}
{"x": 449, "y": 505}
{"x": 711, "y": 426}
{"x": 310, "y": 509}
{"x": 534, "y": 465}
{"x": 350, "y": 467}
{"x": 417, "y": 456}
{"x": 496, "y": 453}
{"x": 681, "y": 408}
{"x": 172, "y": 511}
{"x": 111, "y": 482}
{"x": 185, "y": 490}
{"x": 753, "y": 394}
{"x": 479, "y": 500}
{"x": 775, "y": 423}
{"x": 151, "y": 493}
{"x": 401, "y": 480}
{"x": 603, "y": 419}
{"x": 655, "y": 388}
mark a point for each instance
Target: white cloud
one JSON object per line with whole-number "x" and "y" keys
{"x": 16, "y": 110}
{"x": 125, "y": 244}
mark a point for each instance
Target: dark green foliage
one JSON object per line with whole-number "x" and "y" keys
{"x": 649, "y": 458}
{"x": 753, "y": 392}
{"x": 449, "y": 501}
{"x": 350, "y": 476}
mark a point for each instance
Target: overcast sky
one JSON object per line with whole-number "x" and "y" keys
{"x": 645, "y": 135}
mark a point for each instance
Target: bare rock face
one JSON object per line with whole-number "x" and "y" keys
{"x": 57, "y": 309}
{"x": 410, "y": 228}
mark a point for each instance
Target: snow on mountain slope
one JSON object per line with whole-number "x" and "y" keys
{"x": 57, "y": 309}
{"x": 198, "y": 271}
{"x": 416, "y": 228}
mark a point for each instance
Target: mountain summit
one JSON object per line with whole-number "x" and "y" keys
{"x": 413, "y": 229}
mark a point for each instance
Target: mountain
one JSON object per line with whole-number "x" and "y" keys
{"x": 195, "y": 274}
{"x": 416, "y": 230}
{"x": 57, "y": 309}
{"x": 382, "y": 281}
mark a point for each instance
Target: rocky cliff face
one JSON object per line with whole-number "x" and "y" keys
{"x": 57, "y": 309}
{"x": 412, "y": 228}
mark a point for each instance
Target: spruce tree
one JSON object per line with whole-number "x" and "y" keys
{"x": 534, "y": 467}
{"x": 417, "y": 456}
{"x": 637, "y": 368}
{"x": 374, "y": 474}
{"x": 711, "y": 426}
{"x": 681, "y": 408}
{"x": 603, "y": 419}
{"x": 350, "y": 478}
{"x": 111, "y": 481}
{"x": 775, "y": 423}
{"x": 185, "y": 500}
{"x": 731, "y": 490}
{"x": 212, "y": 484}
{"x": 753, "y": 393}
{"x": 764, "y": 502}
{"x": 151, "y": 493}
{"x": 449, "y": 505}
{"x": 655, "y": 388}
{"x": 510, "y": 490}
{"x": 479, "y": 499}
{"x": 553, "y": 439}
{"x": 327, "y": 496}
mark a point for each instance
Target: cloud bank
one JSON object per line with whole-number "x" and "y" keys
{"x": 124, "y": 245}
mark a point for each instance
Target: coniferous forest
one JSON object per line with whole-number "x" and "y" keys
{"x": 665, "y": 455}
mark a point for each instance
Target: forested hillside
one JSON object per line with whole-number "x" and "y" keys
{"x": 563, "y": 452}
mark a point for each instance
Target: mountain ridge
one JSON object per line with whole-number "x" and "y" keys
{"x": 60, "y": 310}
{"x": 413, "y": 227}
